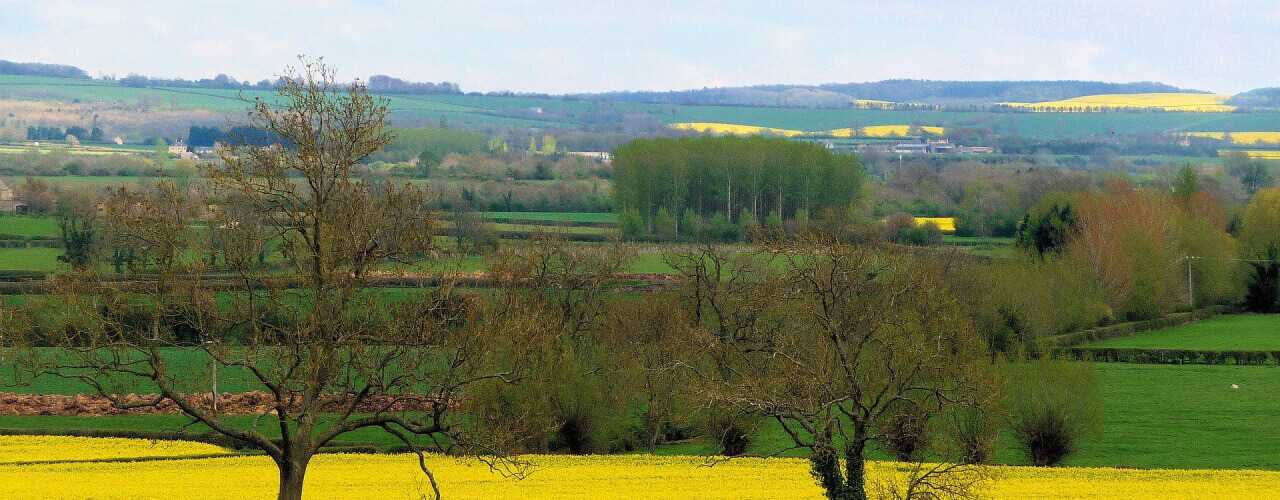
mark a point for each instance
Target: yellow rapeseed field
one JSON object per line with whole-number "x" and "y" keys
{"x": 1170, "y": 101}
{"x": 946, "y": 224}
{"x": 871, "y": 131}
{"x": 350, "y": 477}
{"x": 729, "y": 128}
{"x": 15, "y": 449}
{"x": 1264, "y": 155}
{"x": 1242, "y": 137}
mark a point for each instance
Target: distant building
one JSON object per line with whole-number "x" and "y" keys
{"x": 940, "y": 146}
{"x": 600, "y": 156}
{"x": 8, "y": 202}
{"x": 178, "y": 148}
{"x": 874, "y": 148}
{"x": 974, "y": 150}
{"x": 910, "y": 148}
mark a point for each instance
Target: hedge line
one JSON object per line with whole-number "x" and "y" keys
{"x": 1172, "y": 356}
{"x": 25, "y": 241}
{"x": 1126, "y": 329}
{"x": 200, "y": 437}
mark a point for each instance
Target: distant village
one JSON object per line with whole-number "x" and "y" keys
{"x": 940, "y": 146}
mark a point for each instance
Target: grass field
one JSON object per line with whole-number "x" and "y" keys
{"x": 28, "y": 225}
{"x": 576, "y": 217}
{"x": 1236, "y": 332}
{"x": 1171, "y": 416}
{"x": 29, "y": 259}
{"x": 357, "y": 476}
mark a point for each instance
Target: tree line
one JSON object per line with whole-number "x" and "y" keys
{"x": 46, "y": 133}
{"x": 731, "y": 177}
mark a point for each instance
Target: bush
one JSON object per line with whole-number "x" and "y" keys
{"x": 690, "y": 224}
{"x": 1051, "y": 405}
{"x": 975, "y": 432}
{"x": 664, "y": 224}
{"x": 905, "y": 432}
{"x": 631, "y": 225}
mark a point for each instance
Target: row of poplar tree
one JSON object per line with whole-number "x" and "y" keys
{"x": 729, "y": 176}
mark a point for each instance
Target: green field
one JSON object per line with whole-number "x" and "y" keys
{"x": 1236, "y": 332}
{"x": 28, "y": 225}
{"x": 1170, "y": 416}
{"x": 481, "y": 111}
{"x": 29, "y": 259}
{"x": 575, "y": 217}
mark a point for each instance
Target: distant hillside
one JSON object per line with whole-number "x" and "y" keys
{"x": 1258, "y": 98}
{"x": 930, "y": 92}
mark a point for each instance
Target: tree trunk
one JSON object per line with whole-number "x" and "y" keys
{"x": 855, "y": 465}
{"x": 849, "y": 484}
{"x": 292, "y": 472}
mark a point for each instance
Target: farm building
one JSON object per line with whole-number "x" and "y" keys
{"x": 8, "y": 203}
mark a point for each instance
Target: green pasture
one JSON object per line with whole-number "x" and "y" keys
{"x": 575, "y": 217}
{"x": 1185, "y": 416}
{"x": 29, "y": 259}
{"x": 1235, "y": 332}
{"x": 28, "y": 225}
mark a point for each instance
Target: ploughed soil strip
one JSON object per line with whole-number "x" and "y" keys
{"x": 245, "y": 403}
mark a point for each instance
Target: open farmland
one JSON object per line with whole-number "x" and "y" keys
{"x": 868, "y": 131}
{"x": 355, "y": 476}
{"x": 1237, "y": 332}
{"x": 1156, "y": 101}
{"x": 476, "y": 111}
{"x": 1243, "y": 138}
{"x": 29, "y": 259}
{"x": 28, "y": 225}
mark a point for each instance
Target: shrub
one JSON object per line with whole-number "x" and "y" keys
{"x": 631, "y": 225}
{"x": 1051, "y": 405}
{"x": 905, "y": 432}
{"x": 664, "y": 224}
{"x": 690, "y": 224}
{"x": 975, "y": 432}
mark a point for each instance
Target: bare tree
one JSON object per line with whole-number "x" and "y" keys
{"x": 863, "y": 334}
{"x": 305, "y": 326}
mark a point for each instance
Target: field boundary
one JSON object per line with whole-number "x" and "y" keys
{"x": 238, "y": 447}
{"x": 1077, "y": 338}
{"x": 1160, "y": 356}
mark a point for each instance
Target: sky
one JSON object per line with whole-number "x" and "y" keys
{"x": 591, "y": 46}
